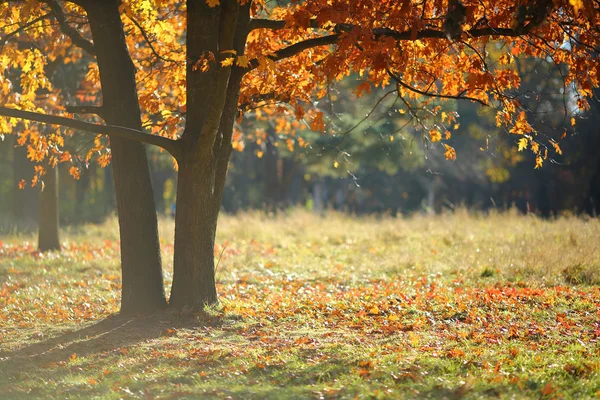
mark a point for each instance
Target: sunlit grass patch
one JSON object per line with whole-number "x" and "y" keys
{"x": 451, "y": 306}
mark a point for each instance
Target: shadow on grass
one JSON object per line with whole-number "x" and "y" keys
{"x": 112, "y": 333}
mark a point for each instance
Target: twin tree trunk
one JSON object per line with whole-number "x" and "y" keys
{"x": 212, "y": 100}
{"x": 142, "y": 288}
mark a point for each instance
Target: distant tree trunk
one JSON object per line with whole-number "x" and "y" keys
{"x": 82, "y": 186}
{"x": 594, "y": 192}
{"x": 271, "y": 163}
{"x": 25, "y": 201}
{"x": 593, "y": 195}
{"x": 48, "y": 228}
{"x": 142, "y": 289}
{"x": 109, "y": 190}
{"x": 159, "y": 177}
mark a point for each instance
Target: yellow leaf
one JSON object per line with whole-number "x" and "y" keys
{"x": 375, "y": 310}
{"x": 213, "y": 3}
{"x": 336, "y": 164}
{"x": 539, "y": 161}
{"x": 242, "y": 61}
{"x": 259, "y": 154}
{"x": 228, "y": 62}
{"x": 573, "y": 122}
{"x": 522, "y": 144}
{"x": 435, "y": 135}
{"x": 450, "y": 153}
{"x": 577, "y": 4}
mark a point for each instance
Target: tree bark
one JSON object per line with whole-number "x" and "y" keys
{"x": 25, "y": 201}
{"x": 142, "y": 288}
{"x": 195, "y": 229}
{"x": 48, "y": 227}
{"x": 212, "y": 98}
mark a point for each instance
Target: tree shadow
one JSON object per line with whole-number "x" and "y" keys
{"x": 115, "y": 332}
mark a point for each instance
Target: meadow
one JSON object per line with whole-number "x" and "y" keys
{"x": 459, "y": 305}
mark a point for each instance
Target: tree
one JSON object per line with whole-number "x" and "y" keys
{"x": 48, "y": 227}
{"x": 35, "y": 49}
{"x": 249, "y": 54}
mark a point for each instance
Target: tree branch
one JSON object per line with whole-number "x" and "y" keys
{"x": 297, "y": 48}
{"x": 68, "y": 30}
{"x": 96, "y": 110}
{"x": 170, "y": 145}
{"x": 273, "y": 24}
{"x": 22, "y": 28}
{"x": 429, "y": 94}
{"x": 149, "y": 42}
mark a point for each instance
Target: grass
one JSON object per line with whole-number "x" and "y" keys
{"x": 453, "y": 306}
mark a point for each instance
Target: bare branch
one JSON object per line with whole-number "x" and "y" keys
{"x": 170, "y": 145}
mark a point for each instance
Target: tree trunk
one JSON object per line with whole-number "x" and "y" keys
{"x": 25, "y": 201}
{"x": 212, "y": 98}
{"x": 143, "y": 289}
{"x": 48, "y": 227}
{"x": 195, "y": 229}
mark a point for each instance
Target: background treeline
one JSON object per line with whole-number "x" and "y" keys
{"x": 385, "y": 163}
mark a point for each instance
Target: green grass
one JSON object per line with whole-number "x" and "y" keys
{"x": 452, "y": 306}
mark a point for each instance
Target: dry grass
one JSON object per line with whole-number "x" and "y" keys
{"x": 453, "y": 306}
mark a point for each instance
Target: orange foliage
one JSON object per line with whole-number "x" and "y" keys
{"x": 295, "y": 51}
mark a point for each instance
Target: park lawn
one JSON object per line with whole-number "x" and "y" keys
{"x": 453, "y": 306}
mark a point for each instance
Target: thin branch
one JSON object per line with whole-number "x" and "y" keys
{"x": 68, "y": 30}
{"x": 149, "y": 42}
{"x": 438, "y": 95}
{"x": 170, "y": 145}
{"x": 22, "y": 28}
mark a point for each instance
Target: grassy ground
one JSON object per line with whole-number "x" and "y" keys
{"x": 453, "y": 306}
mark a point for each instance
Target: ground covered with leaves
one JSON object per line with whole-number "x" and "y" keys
{"x": 452, "y": 306}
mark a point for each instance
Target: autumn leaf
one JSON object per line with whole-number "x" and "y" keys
{"x": 228, "y": 62}
{"x": 450, "y": 153}
{"x": 548, "y": 389}
{"x": 539, "y": 161}
{"x": 75, "y": 172}
{"x": 523, "y": 143}
{"x": 435, "y": 135}
{"x": 577, "y": 4}
{"x": 317, "y": 123}
{"x": 213, "y": 3}
{"x": 242, "y": 61}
